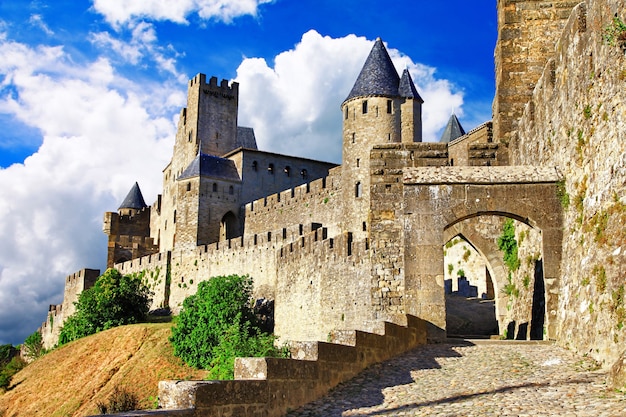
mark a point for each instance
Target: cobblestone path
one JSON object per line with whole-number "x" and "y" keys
{"x": 485, "y": 379}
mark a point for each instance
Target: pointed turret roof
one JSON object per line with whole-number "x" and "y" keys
{"x": 134, "y": 199}
{"x": 378, "y": 76}
{"x": 211, "y": 166}
{"x": 407, "y": 87}
{"x": 453, "y": 130}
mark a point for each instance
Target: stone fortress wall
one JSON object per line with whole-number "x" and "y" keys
{"x": 575, "y": 120}
{"x": 74, "y": 285}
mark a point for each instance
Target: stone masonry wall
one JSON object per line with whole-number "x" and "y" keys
{"x": 74, "y": 285}
{"x": 314, "y": 202}
{"x": 527, "y": 32}
{"x": 323, "y": 286}
{"x": 576, "y": 120}
{"x": 154, "y": 271}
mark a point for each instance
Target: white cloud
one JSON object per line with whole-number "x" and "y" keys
{"x": 295, "y": 106}
{"x": 98, "y": 138}
{"x": 119, "y": 12}
{"x": 142, "y": 45}
{"x": 37, "y": 21}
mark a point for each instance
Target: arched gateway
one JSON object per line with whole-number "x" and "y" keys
{"x": 415, "y": 211}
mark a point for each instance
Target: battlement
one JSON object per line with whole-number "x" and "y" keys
{"x": 293, "y": 195}
{"x": 135, "y": 241}
{"x": 85, "y": 278}
{"x": 146, "y": 262}
{"x": 231, "y": 90}
{"x": 340, "y": 246}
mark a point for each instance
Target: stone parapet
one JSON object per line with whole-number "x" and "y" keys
{"x": 269, "y": 387}
{"x": 481, "y": 175}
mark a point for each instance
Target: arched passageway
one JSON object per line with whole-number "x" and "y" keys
{"x": 435, "y": 204}
{"x": 479, "y": 246}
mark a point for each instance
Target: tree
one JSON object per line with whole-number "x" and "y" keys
{"x": 114, "y": 300}
{"x": 218, "y": 324}
{"x": 33, "y": 346}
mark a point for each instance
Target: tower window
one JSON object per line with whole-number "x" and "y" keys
{"x": 188, "y": 186}
{"x": 365, "y": 107}
{"x": 358, "y": 162}
{"x": 389, "y": 106}
{"x": 358, "y": 190}
{"x": 353, "y": 137}
{"x": 304, "y": 173}
{"x": 270, "y": 168}
{"x": 174, "y": 216}
{"x": 287, "y": 170}
{"x": 255, "y": 165}
{"x": 214, "y": 187}
{"x": 190, "y": 136}
{"x": 231, "y": 190}
{"x": 346, "y": 113}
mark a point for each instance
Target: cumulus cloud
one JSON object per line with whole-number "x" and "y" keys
{"x": 119, "y": 12}
{"x": 295, "y": 105}
{"x": 98, "y": 138}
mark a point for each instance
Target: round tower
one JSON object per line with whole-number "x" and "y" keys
{"x": 382, "y": 108}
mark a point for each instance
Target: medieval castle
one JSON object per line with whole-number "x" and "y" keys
{"x": 374, "y": 239}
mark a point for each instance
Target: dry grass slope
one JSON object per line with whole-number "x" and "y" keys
{"x": 70, "y": 381}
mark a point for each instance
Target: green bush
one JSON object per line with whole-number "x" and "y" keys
{"x": 218, "y": 324}
{"x": 114, "y": 300}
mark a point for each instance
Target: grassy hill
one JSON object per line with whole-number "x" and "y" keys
{"x": 71, "y": 380}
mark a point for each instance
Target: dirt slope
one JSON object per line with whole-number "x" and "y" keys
{"x": 69, "y": 381}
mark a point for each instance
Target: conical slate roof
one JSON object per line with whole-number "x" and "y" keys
{"x": 453, "y": 130}
{"x": 378, "y": 76}
{"x": 134, "y": 199}
{"x": 211, "y": 166}
{"x": 407, "y": 88}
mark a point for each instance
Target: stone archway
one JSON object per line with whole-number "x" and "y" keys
{"x": 435, "y": 199}
{"x": 519, "y": 295}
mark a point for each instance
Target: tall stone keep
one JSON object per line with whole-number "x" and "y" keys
{"x": 382, "y": 108}
{"x": 527, "y": 34}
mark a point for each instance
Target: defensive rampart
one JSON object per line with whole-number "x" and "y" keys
{"x": 576, "y": 121}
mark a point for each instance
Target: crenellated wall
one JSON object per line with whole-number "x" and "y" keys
{"x": 75, "y": 284}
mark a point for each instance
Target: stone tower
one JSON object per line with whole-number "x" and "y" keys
{"x": 128, "y": 230}
{"x": 207, "y": 127}
{"x": 527, "y": 34}
{"x": 381, "y": 108}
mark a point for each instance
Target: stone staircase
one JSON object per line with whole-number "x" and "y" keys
{"x": 270, "y": 387}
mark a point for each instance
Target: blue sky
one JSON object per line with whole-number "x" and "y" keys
{"x": 90, "y": 92}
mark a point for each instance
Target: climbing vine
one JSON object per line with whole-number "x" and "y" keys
{"x": 508, "y": 245}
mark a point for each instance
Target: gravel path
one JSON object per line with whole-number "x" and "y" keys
{"x": 482, "y": 379}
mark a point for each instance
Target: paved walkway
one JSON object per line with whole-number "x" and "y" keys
{"x": 459, "y": 379}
